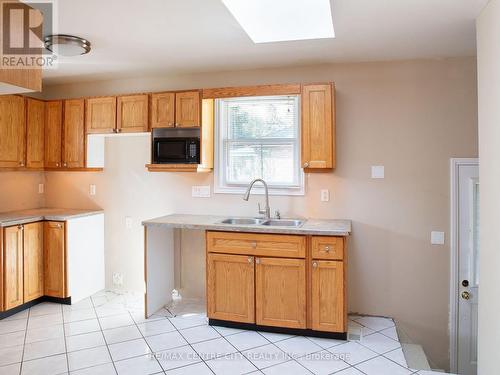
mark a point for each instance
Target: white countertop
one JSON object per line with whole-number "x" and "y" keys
{"x": 38, "y": 214}
{"x": 209, "y": 222}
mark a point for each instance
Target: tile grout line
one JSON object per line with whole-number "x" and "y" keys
{"x": 107, "y": 347}
{"x": 24, "y": 342}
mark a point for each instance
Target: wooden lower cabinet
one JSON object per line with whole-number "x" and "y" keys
{"x": 33, "y": 261}
{"x": 54, "y": 259}
{"x": 13, "y": 267}
{"x": 280, "y": 292}
{"x": 328, "y": 311}
{"x": 264, "y": 287}
{"x": 230, "y": 286}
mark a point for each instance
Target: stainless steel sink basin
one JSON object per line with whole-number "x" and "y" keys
{"x": 243, "y": 221}
{"x": 284, "y": 223}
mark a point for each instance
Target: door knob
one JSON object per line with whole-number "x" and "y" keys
{"x": 466, "y": 295}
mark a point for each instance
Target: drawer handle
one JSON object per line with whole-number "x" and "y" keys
{"x": 250, "y": 259}
{"x": 257, "y": 260}
{"x": 315, "y": 264}
{"x": 254, "y": 245}
{"x": 327, "y": 249}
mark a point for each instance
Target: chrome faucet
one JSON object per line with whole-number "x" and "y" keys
{"x": 267, "y": 210}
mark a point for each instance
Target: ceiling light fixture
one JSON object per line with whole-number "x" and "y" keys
{"x": 67, "y": 45}
{"x": 283, "y": 20}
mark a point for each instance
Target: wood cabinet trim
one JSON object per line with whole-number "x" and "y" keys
{"x": 257, "y": 90}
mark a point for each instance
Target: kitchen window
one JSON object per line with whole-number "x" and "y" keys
{"x": 258, "y": 137}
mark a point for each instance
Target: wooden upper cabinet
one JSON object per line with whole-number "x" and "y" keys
{"x": 280, "y": 292}
{"x": 53, "y": 133}
{"x": 74, "y": 134}
{"x": 13, "y": 267}
{"x": 132, "y": 113}
{"x": 188, "y": 109}
{"x": 318, "y": 126}
{"x": 35, "y": 133}
{"x": 163, "y": 110}
{"x": 100, "y": 115}
{"x": 328, "y": 309}
{"x": 230, "y": 287}
{"x": 55, "y": 284}
{"x": 33, "y": 261}
{"x": 12, "y": 131}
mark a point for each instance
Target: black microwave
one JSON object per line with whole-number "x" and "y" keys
{"x": 176, "y": 150}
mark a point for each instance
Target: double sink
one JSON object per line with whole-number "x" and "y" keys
{"x": 267, "y": 222}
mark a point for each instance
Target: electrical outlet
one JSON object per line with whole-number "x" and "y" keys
{"x": 41, "y": 188}
{"x": 117, "y": 279}
{"x": 325, "y": 195}
{"x": 128, "y": 222}
{"x": 92, "y": 189}
{"x": 200, "y": 191}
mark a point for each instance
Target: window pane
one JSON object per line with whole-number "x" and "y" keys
{"x": 278, "y": 162}
{"x": 244, "y": 163}
{"x": 273, "y": 163}
{"x": 261, "y": 118}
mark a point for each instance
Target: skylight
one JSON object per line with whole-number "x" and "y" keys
{"x": 283, "y": 20}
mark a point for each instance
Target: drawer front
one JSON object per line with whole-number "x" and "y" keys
{"x": 330, "y": 248}
{"x": 271, "y": 245}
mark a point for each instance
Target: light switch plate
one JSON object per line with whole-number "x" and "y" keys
{"x": 378, "y": 171}
{"x": 325, "y": 195}
{"x": 41, "y": 188}
{"x": 200, "y": 191}
{"x": 92, "y": 189}
{"x": 437, "y": 238}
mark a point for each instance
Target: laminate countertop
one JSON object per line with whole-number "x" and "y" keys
{"x": 209, "y": 222}
{"x": 38, "y": 214}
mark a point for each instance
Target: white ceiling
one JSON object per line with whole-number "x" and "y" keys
{"x": 140, "y": 38}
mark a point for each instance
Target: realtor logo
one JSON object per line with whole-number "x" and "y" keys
{"x": 23, "y": 28}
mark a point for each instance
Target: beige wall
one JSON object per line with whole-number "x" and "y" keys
{"x": 410, "y": 116}
{"x": 20, "y": 190}
{"x": 488, "y": 62}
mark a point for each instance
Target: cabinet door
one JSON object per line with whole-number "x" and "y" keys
{"x": 13, "y": 266}
{"x": 33, "y": 261}
{"x": 101, "y": 115}
{"x": 230, "y": 287}
{"x": 74, "y": 134}
{"x": 280, "y": 292}
{"x": 53, "y": 134}
{"x": 12, "y": 131}
{"x": 35, "y": 133}
{"x": 132, "y": 113}
{"x": 163, "y": 110}
{"x": 328, "y": 312}
{"x": 187, "y": 109}
{"x": 54, "y": 259}
{"x": 318, "y": 127}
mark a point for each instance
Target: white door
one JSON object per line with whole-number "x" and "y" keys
{"x": 468, "y": 272}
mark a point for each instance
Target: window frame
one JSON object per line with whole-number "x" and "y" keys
{"x": 221, "y": 186}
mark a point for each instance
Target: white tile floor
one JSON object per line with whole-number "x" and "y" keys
{"x": 107, "y": 334}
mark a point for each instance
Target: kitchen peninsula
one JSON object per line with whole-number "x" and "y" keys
{"x": 277, "y": 275}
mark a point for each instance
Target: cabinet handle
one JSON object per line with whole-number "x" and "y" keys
{"x": 118, "y": 130}
{"x": 114, "y": 130}
{"x": 257, "y": 260}
{"x": 250, "y": 259}
{"x": 327, "y": 249}
{"x": 20, "y": 227}
{"x": 306, "y": 164}
{"x": 315, "y": 264}
{"x": 65, "y": 164}
{"x": 176, "y": 124}
{"x": 254, "y": 245}
{"x": 21, "y": 163}
{"x": 57, "y": 164}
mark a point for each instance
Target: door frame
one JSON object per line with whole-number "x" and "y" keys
{"x": 455, "y": 164}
